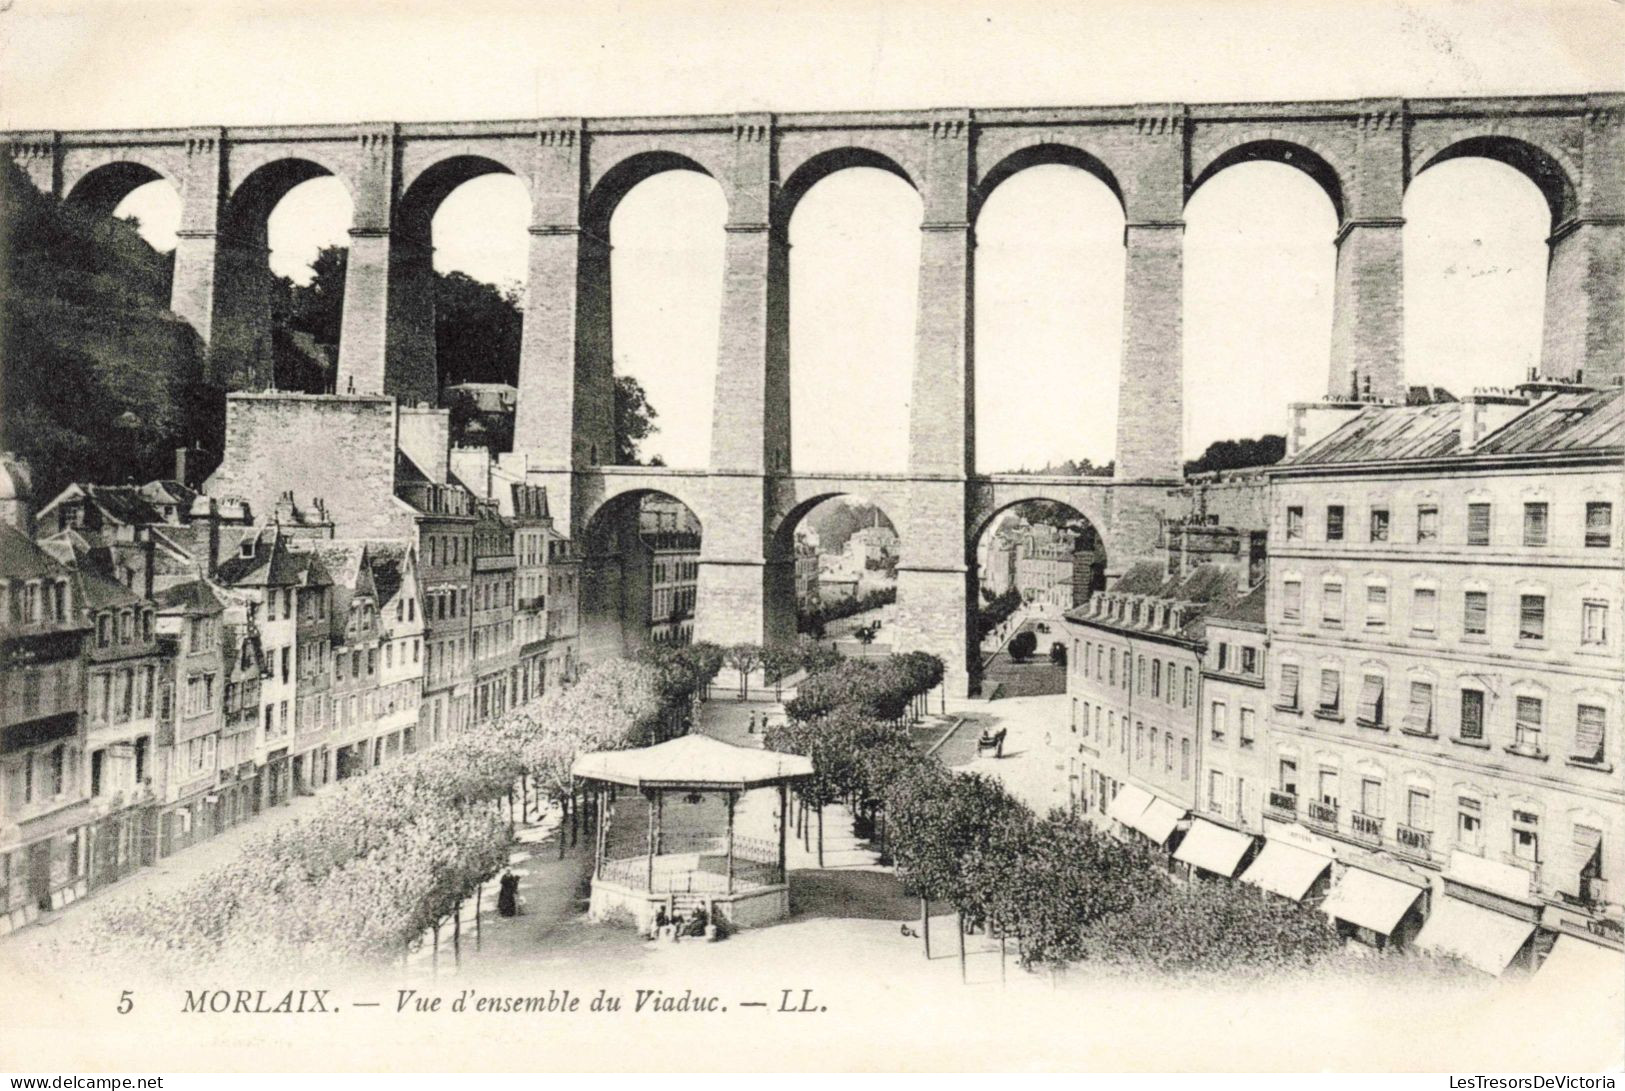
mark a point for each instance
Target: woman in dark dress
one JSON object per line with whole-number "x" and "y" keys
{"x": 508, "y": 897}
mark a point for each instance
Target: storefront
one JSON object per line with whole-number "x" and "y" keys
{"x": 1209, "y": 849}
{"x": 1375, "y": 910}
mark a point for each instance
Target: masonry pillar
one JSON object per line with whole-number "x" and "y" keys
{"x": 1584, "y": 328}
{"x": 750, "y": 424}
{"x": 1368, "y": 308}
{"x": 193, "y": 287}
{"x": 368, "y": 361}
{"x": 39, "y": 156}
{"x": 564, "y": 420}
{"x": 934, "y": 583}
{"x": 1150, "y": 399}
{"x": 411, "y": 366}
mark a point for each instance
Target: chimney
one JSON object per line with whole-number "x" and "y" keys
{"x": 1485, "y": 411}
{"x": 180, "y": 466}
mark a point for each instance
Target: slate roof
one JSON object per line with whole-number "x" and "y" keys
{"x": 1571, "y": 421}
{"x": 1560, "y": 422}
{"x": 1248, "y": 610}
{"x": 1383, "y": 433}
{"x": 21, "y": 559}
{"x": 273, "y": 565}
{"x": 193, "y": 596}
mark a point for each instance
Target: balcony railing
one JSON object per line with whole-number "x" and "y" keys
{"x": 1283, "y": 802}
{"x": 1324, "y": 814}
{"x": 1366, "y": 828}
{"x": 1413, "y": 841}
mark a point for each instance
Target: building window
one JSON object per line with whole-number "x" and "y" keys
{"x": 1139, "y": 741}
{"x": 1292, "y": 600}
{"x": 1478, "y": 524}
{"x": 1215, "y": 791}
{"x": 1532, "y": 617}
{"x": 1294, "y": 523}
{"x": 1424, "y": 610}
{"x": 1379, "y": 524}
{"x": 1167, "y": 752}
{"x": 1472, "y": 714}
{"x": 1189, "y": 694}
{"x": 1419, "y": 713}
{"x": 1156, "y": 678}
{"x": 1594, "y": 623}
{"x": 1334, "y": 522}
{"x": 1287, "y": 696}
{"x": 1427, "y": 523}
{"x": 1249, "y": 659}
{"x": 1331, "y": 690}
{"x": 1534, "y": 524}
{"x": 1475, "y": 620}
{"x": 1376, "y": 606}
{"x": 1371, "y": 798}
{"x": 1469, "y": 825}
{"x": 1217, "y": 716}
{"x": 1590, "y": 730}
{"x": 1526, "y": 836}
{"x": 1245, "y": 728}
{"x": 1331, "y": 604}
{"x": 1371, "y": 700}
{"x": 1419, "y": 809}
{"x": 1289, "y": 777}
{"x": 1527, "y": 726}
{"x": 1184, "y": 759}
{"x": 1328, "y": 787}
{"x": 1599, "y": 524}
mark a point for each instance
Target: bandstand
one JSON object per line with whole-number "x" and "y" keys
{"x": 674, "y": 840}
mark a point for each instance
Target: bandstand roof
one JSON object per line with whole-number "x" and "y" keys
{"x": 692, "y": 761}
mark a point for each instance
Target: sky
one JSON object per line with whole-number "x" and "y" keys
{"x": 1049, "y": 262}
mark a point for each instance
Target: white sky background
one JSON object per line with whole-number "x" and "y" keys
{"x": 1259, "y": 255}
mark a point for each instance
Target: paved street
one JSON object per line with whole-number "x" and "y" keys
{"x": 1036, "y": 677}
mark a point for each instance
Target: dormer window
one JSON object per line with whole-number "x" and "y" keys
{"x": 246, "y": 548}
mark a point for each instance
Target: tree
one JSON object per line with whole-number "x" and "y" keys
{"x": 634, "y": 420}
{"x": 866, "y": 634}
{"x": 1022, "y": 645}
{"x": 744, "y": 658}
{"x": 1239, "y": 454}
{"x": 477, "y": 330}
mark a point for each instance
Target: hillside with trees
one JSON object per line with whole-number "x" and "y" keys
{"x": 101, "y": 382}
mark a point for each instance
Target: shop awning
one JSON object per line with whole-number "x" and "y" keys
{"x": 1370, "y": 900}
{"x": 1481, "y": 937}
{"x": 1158, "y": 820}
{"x": 1127, "y": 805}
{"x": 1286, "y": 869}
{"x": 1213, "y": 848}
{"x": 1578, "y": 968}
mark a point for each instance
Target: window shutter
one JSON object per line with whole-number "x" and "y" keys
{"x": 1472, "y": 714}
{"x": 1477, "y": 612}
{"x": 1529, "y": 712}
{"x": 1589, "y": 733}
{"x": 1419, "y": 717}
{"x": 1478, "y": 524}
{"x": 1370, "y": 710}
{"x": 1330, "y": 684}
{"x": 1288, "y": 697}
{"x": 1586, "y": 846}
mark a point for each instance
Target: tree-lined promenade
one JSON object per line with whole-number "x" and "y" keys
{"x": 391, "y": 856}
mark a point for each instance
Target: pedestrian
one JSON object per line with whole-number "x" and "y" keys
{"x": 508, "y": 895}
{"x": 753, "y": 722}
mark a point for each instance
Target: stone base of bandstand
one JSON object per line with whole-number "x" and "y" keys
{"x": 741, "y": 909}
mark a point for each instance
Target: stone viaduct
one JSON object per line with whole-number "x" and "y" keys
{"x": 1153, "y": 157}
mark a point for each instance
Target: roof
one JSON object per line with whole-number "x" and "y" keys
{"x": 97, "y": 592}
{"x": 1249, "y": 609}
{"x": 387, "y": 561}
{"x": 193, "y": 596}
{"x": 1569, "y": 421}
{"x": 1382, "y": 433}
{"x": 1144, "y": 578}
{"x": 273, "y": 564}
{"x": 21, "y": 559}
{"x": 692, "y": 761}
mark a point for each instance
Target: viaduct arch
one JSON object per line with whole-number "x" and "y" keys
{"x": 1363, "y": 153}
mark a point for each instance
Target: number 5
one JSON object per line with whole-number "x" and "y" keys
{"x": 125, "y": 1003}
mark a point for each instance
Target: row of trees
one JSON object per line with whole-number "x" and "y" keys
{"x": 996, "y": 612}
{"x": 1065, "y": 892}
{"x": 383, "y": 859}
{"x": 812, "y": 620}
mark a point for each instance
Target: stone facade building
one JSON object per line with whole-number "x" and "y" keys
{"x": 1444, "y": 705}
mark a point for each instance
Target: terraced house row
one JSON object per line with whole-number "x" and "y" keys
{"x": 175, "y": 663}
{"x": 1410, "y": 715}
